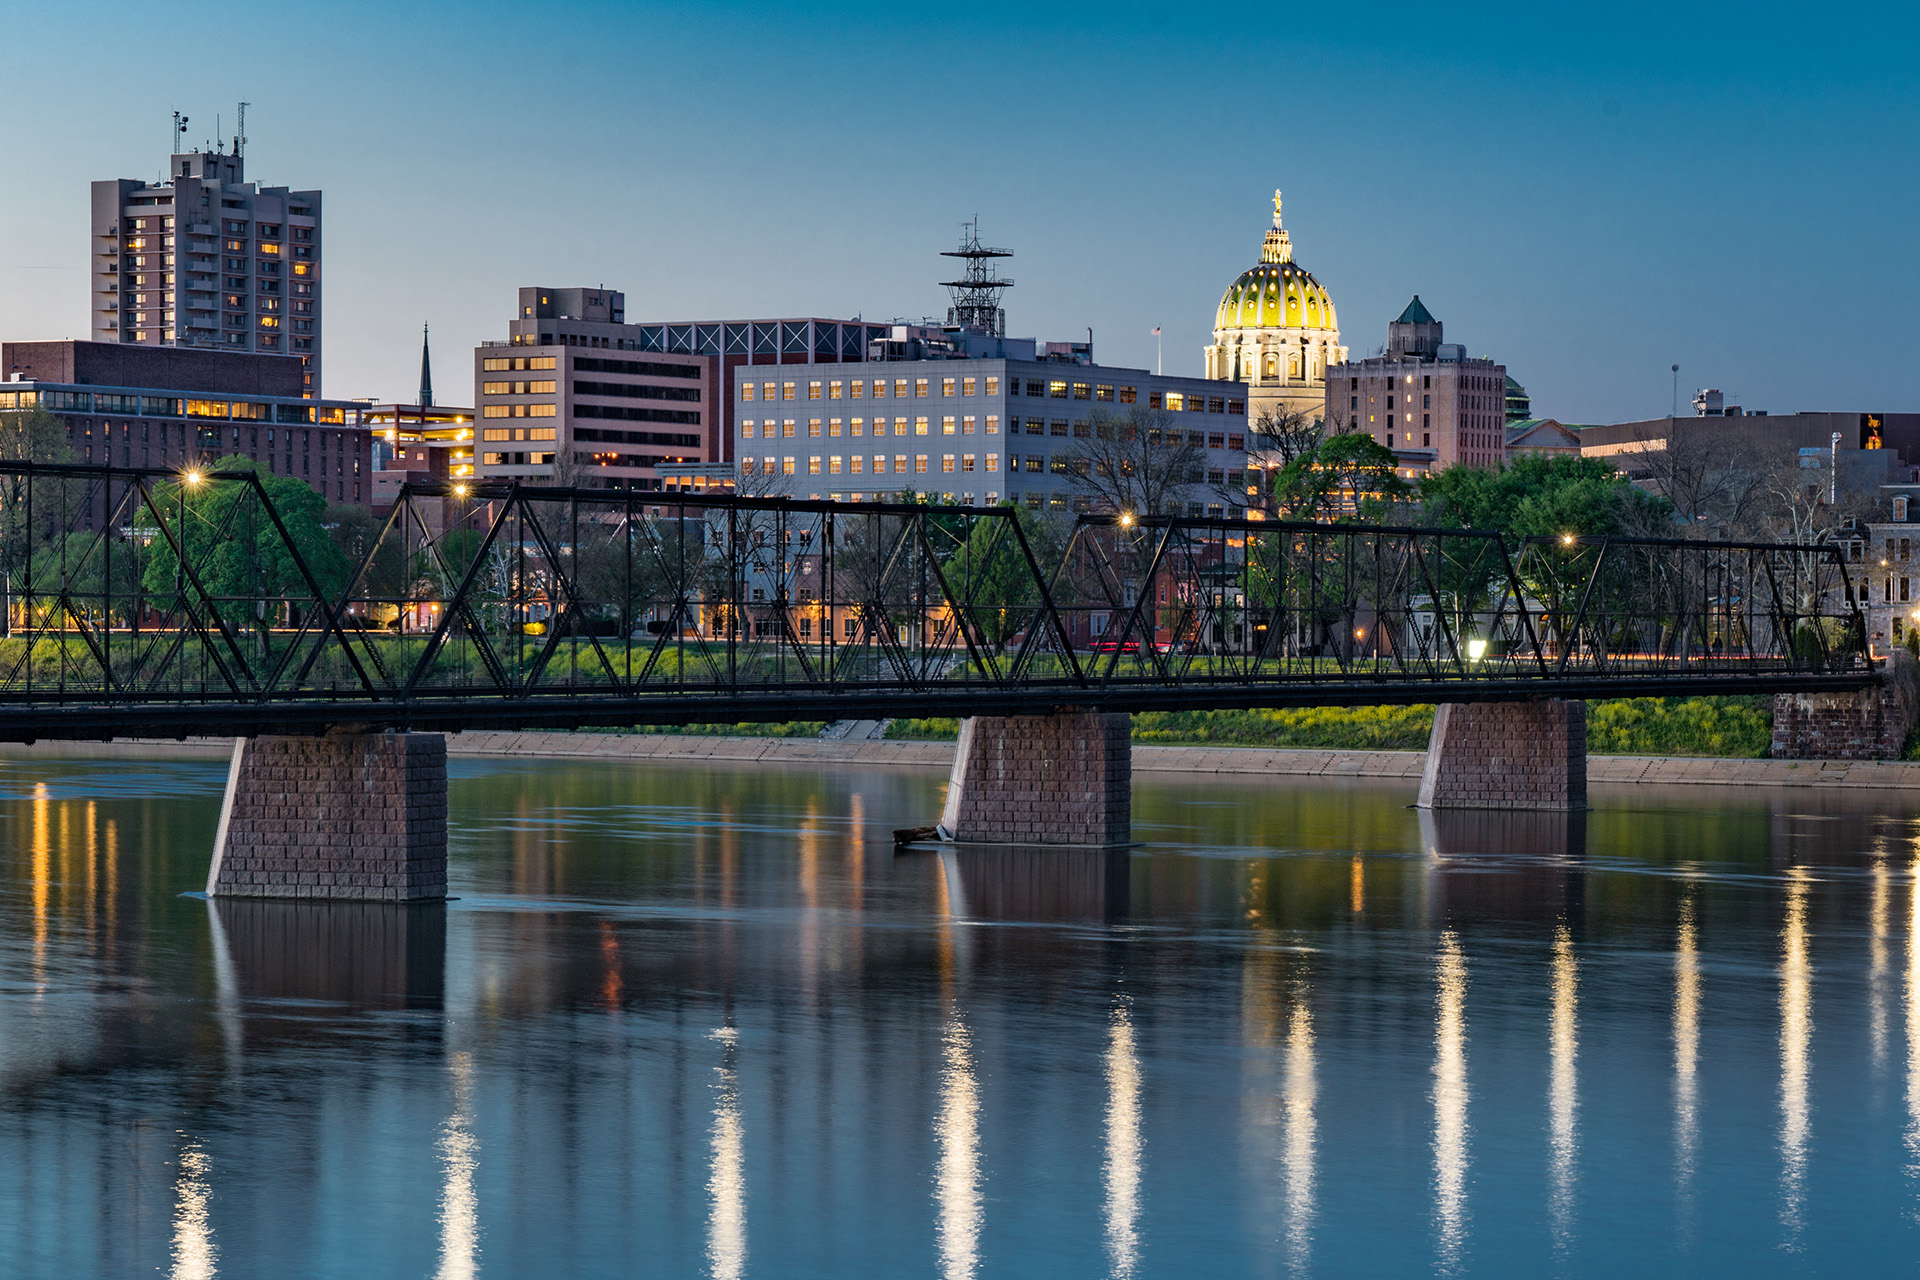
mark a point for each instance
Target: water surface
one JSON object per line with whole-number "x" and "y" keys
{"x": 702, "y": 1021}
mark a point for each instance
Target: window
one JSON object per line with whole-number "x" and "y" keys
{"x": 542, "y": 411}
{"x": 967, "y": 425}
{"x": 813, "y": 391}
{"x": 946, "y": 462}
{"x": 496, "y": 365}
{"x": 946, "y": 386}
{"x": 746, "y": 429}
{"x": 833, "y": 426}
{"x": 833, "y": 465}
{"x": 993, "y": 386}
{"x": 900, "y": 463}
{"x": 813, "y": 428}
{"x": 879, "y": 389}
{"x": 1083, "y": 391}
{"x": 967, "y": 386}
{"x": 919, "y": 426}
{"x": 746, "y": 389}
{"x": 1082, "y": 430}
{"x": 899, "y": 426}
{"x": 946, "y": 425}
{"x": 993, "y": 462}
{"x": 766, "y": 391}
{"x": 1426, "y": 402}
{"x": 1059, "y": 427}
{"x": 1057, "y": 388}
{"x": 786, "y": 390}
{"x": 854, "y": 462}
{"x": 833, "y": 390}
{"x": 813, "y": 465}
{"x": 857, "y": 427}
{"x": 857, "y": 389}
{"x": 920, "y": 466}
{"x": 496, "y": 388}
{"x": 993, "y": 424}
{"x": 900, "y": 388}
{"x": 1426, "y": 420}
{"x": 786, "y": 466}
{"x": 1217, "y": 441}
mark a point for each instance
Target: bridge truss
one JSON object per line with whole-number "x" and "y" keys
{"x": 142, "y": 602}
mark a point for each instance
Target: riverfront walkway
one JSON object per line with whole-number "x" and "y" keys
{"x": 1384, "y": 766}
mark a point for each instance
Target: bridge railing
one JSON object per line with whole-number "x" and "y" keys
{"x": 229, "y": 586}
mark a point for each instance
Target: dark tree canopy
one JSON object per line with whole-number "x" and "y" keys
{"x": 1535, "y": 496}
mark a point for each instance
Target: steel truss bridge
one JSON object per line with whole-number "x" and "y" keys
{"x": 152, "y": 603}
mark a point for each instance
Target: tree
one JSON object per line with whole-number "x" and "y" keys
{"x": 1350, "y": 474}
{"x": 1136, "y": 460}
{"x": 1277, "y": 435}
{"x": 1539, "y": 496}
{"x": 235, "y": 551}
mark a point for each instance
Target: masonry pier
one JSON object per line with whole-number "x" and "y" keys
{"x": 1858, "y": 724}
{"x": 1507, "y": 755}
{"x": 348, "y": 816}
{"x": 1064, "y": 778}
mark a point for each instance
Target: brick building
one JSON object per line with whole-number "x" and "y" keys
{"x": 1424, "y": 399}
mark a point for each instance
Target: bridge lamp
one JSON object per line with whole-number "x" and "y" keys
{"x": 1126, "y": 519}
{"x": 193, "y": 477}
{"x": 1476, "y": 650}
{"x": 459, "y": 491}
{"x": 1566, "y": 539}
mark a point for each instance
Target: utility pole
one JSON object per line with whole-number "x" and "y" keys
{"x": 1674, "y": 410}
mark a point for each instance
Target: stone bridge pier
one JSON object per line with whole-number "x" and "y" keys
{"x": 1063, "y": 778}
{"x": 349, "y": 816}
{"x": 1507, "y": 755}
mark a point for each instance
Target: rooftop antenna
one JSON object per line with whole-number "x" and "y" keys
{"x": 1674, "y": 410}
{"x": 976, "y": 295}
{"x": 240, "y": 131}
{"x": 179, "y": 131}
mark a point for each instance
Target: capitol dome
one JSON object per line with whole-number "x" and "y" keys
{"x": 1276, "y": 331}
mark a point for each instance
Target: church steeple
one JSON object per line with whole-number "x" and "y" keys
{"x": 426, "y": 371}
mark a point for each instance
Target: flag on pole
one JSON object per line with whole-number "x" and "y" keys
{"x": 1156, "y": 331}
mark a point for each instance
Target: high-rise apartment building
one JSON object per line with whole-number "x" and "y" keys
{"x": 1424, "y": 399}
{"x": 208, "y": 259}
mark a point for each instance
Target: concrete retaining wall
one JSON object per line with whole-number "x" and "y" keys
{"x": 349, "y": 816}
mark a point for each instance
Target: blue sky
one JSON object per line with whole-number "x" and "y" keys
{"x": 1588, "y": 194}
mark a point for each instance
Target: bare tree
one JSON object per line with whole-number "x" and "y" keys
{"x": 1276, "y": 436}
{"x": 1138, "y": 461}
{"x": 1712, "y": 478}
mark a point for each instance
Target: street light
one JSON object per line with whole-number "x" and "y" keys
{"x": 1476, "y": 650}
{"x": 193, "y": 476}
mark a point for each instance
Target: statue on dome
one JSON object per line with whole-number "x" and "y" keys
{"x": 1276, "y": 208}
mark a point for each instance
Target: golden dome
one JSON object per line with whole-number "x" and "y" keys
{"x": 1278, "y": 293}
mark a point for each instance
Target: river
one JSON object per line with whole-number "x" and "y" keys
{"x": 684, "y": 1020}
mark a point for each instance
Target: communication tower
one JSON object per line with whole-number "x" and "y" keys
{"x": 976, "y": 296}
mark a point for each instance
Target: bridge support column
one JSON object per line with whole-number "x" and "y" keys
{"x": 1867, "y": 724}
{"x": 1064, "y": 778}
{"x": 358, "y": 816}
{"x": 1507, "y": 755}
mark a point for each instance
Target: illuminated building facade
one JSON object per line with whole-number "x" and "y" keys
{"x": 175, "y": 408}
{"x": 1276, "y": 331}
{"x": 967, "y": 430}
{"x": 208, "y": 259}
{"x": 417, "y": 442}
{"x": 1424, "y": 399}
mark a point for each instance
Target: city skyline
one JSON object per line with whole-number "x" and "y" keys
{"x": 1587, "y": 205}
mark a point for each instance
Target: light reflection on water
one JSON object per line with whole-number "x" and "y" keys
{"x": 1300, "y": 1031}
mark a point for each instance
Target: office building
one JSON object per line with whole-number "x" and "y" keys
{"x": 596, "y": 319}
{"x": 174, "y": 408}
{"x": 1425, "y": 398}
{"x": 969, "y": 429}
{"x": 1276, "y": 331}
{"x": 208, "y": 259}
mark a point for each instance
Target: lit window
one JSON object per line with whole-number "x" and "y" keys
{"x": 1103, "y": 392}
{"x": 966, "y": 426}
{"x": 919, "y": 463}
{"x": 833, "y": 390}
{"x": 993, "y": 386}
{"x": 1175, "y": 402}
{"x": 993, "y": 462}
{"x": 542, "y": 411}
{"x": 1057, "y": 389}
{"x": 813, "y": 465}
{"x": 856, "y": 390}
{"x": 786, "y": 466}
{"x": 833, "y": 465}
{"x": 746, "y": 389}
{"x": 966, "y": 462}
{"x": 946, "y": 425}
{"x": 879, "y": 389}
{"x": 853, "y": 463}
{"x": 899, "y": 426}
{"x": 946, "y": 462}
{"x": 900, "y": 463}
{"x": 813, "y": 428}
{"x": 993, "y": 424}
{"x": 900, "y": 388}
{"x": 833, "y": 427}
{"x": 857, "y": 427}
{"x": 786, "y": 390}
{"x": 967, "y": 386}
{"x": 786, "y": 428}
{"x": 920, "y": 387}
{"x": 1083, "y": 391}
{"x": 766, "y": 391}
{"x": 919, "y": 426}
{"x": 946, "y": 386}
{"x": 813, "y": 391}
{"x": 1126, "y": 395}
{"x": 746, "y": 429}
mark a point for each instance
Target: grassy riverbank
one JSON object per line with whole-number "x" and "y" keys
{"x": 1738, "y": 727}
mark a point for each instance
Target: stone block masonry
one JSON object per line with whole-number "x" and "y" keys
{"x": 1870, "y": 724}
{"x": 355, "y": 816}
{"x": 1507, "y": 755}
{"x": 1064, "y": 778}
